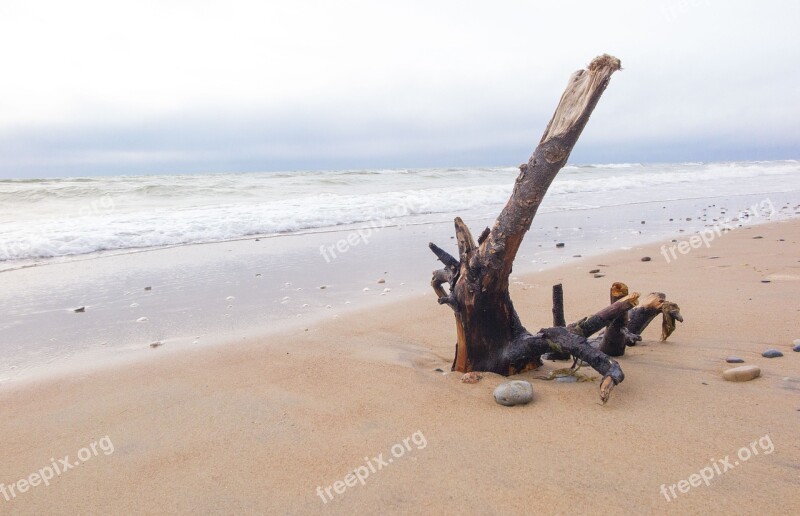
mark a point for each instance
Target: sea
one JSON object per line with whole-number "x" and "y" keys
{"x": 43, "y": 219}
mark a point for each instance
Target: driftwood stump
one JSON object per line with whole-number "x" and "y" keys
{"x": 490, "y": 336}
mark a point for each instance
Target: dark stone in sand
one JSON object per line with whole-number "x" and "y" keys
{"x": 156, "y": 344}
{"x": 560, "y": 244}
{"x": 148, "y": 288}
{"x": 688, "y": 218}
{"x": 576, "y": 256}
{"x": 80, "y": 310}
{"x": 439, "y": 370}
{"x": 765, "y": 281}
{"x": 734, "y": 360}
{"x": 594, "y": 271}
{"x": 771, "y": 353}
{"x": 642, "y": 222}
{"x": 646, "y": 258}
{"x": 796, "y": 347}
{"x": 757, "y": 237}
{"x": 599, "y": 275}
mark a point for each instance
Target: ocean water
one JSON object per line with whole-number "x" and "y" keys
{"x": 51, "y": 218}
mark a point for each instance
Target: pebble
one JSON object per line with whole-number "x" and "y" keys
{"x": 516, "y": 392}
{"x": 323, "y": 287}
{"x": 141, "y": 319}
{"x": 366, "y": 289}
{"x": 796, "y": 346}
{"x": 156, "y": 344}
{"x": 742, "y": 373}
{"x": 599, "y": 275}
{"x": 594, "y": 271}
{"x": 771, "y": 353}
{"x": 381, "y": 281}
{"x": 646, "y": 258}
{"x": 148, "y": 288}
{"x": 472, "y": 377}
{"x": 80, "y": 310}
{"x": 230, "y": 298}
{"x": 734, "y": 360}
{"x": 560, "y": 244}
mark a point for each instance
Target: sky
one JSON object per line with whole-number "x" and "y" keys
{"x": 173, "y": 86}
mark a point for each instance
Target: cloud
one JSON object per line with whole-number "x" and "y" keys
{"x": 145, "y": 87}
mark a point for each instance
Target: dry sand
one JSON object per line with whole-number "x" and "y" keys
{"x": 257, "y": 425}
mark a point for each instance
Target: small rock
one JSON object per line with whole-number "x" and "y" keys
{"x": 796, "y": 346}
{"x": 734, "y": 360}
{"x": 386, "y": 290}
{"x": 516, "y": 392}
{"x": 157, "y": 344}
{"x": 742, "y": 373}
{"x": 765, "y": 281}
{"x": 594, "y": 271}
{"x": 771, "y": 353}
{"x": 366, "y": 289}
{"x": 577, "y": 256}
{"x": 472, "y": 377}
{"x": 599, "y": 275}
{"x": 381, "y": 281}
{"x": 230, "y": 298}
{"x": 646, "y": 258}
{"x": 757, "y": 237}
{"x": 141, "y": 319}
{"x": 323, "y": 287}
{"x": 80, "y": 310}
{"x": 439, "y": 370}
{"x": 642, "y": 222}
{"x": 560, "y": 244}
{"x": 148, "y": 288}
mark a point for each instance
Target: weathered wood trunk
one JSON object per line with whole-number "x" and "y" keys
{"x": 490, "y": 336}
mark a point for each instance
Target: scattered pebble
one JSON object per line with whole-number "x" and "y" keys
{"x": 366, "y": 289}
{"x": 757, "y": 237}
{"x": 599, "y": 275}
{"x": 734, "y": 360}
{"x": 323, "y": 287}
{"x": 742, "y": 373}
{"x": 560, "y": 244}
{"x": 141, "y": 319}
{"x": 766, "y": 281}
{"x": 577, "y": 256}
{"x": 439, "y": 370}
{"x": 381, "y": 280}
{"x": 328, "y": 306}
{"x": 796, "y": 346}
{"x": 516, "y": 392}
{"x": 148, "y": 288}
{"x": 156, "y": 344}
{"x": 472, "y": 377}
{"x": 80, "y": 310}
{"x": 771, "y": 353}
{"x": 594, "y": 271}
{"x": 258, "y": 275}
{"x": 646, "y": 258}
{"x": 230, "y": 298}
{"x": 387, "y": 289}
{"x": 134, "y": 305}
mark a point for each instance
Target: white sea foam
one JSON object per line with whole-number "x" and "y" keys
{"x": 61, "y": 217}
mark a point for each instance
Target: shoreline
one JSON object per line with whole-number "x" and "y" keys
{"x": 257, "y": 287}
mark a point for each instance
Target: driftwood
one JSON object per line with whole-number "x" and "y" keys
{"x": 490, "y": 336}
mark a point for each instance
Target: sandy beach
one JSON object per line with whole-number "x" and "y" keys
{"x": 267, "y": 424}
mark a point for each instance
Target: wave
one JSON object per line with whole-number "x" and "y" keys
{"x": 52, "y": 218}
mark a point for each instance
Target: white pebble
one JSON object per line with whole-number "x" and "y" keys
{"x": 366, "y": 289}
{"x": 134, "y": 305}
{"x": 230, "y": 298}
{"x": 141, "y": 319}
{"x": 387, "y": 289}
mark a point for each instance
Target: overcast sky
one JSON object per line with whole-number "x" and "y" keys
{"x": 167, "y": 86}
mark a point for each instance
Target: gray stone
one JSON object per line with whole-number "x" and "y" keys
{"x": 771, "y": 353}
{"x": 734, "y": 360}
{"x": 516, "y": 392}
{"x": 646, "y": 258}
{"x": 796, "y": 346}
{"x": 742, "y": 373}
